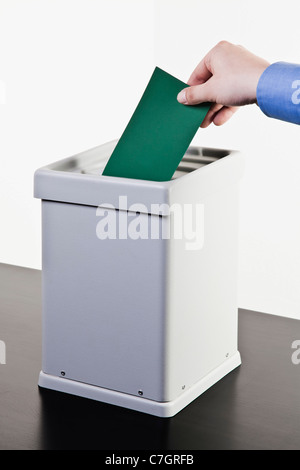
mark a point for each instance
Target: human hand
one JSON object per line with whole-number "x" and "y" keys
{"x": 227, "y": 77}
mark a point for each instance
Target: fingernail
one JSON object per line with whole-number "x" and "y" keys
{"x": 181, "y": 97}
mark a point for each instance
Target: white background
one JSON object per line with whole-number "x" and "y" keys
{"x": 71, "y": 74}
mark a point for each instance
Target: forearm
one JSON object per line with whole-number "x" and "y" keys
{"x": 278, "y": 92}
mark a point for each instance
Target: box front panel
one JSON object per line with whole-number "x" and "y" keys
{"x": 103, "y": 299}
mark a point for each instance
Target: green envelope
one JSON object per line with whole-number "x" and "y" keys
{"x": 158, "y": 134}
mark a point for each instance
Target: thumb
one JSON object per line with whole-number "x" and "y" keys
{"x": 197, "y": 94}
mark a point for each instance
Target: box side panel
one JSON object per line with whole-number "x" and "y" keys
{"x": 202, "y": 289}
{"x": 104, "y": 303}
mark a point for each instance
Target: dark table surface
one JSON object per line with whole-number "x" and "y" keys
{"x": 257, "y": 406}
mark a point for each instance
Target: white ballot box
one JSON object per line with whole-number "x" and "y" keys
{"x": 139, "y": 279}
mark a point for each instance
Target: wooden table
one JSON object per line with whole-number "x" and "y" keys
{"x": 257, "y": 406}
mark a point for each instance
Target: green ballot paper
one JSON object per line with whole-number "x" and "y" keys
{"x": 158, "y": 133}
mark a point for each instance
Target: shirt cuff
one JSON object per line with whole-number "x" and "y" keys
{"x": 278, "y": 92}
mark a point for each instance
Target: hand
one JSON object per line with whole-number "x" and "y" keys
{"x": 227, "y": 77}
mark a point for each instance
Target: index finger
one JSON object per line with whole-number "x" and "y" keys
{"x": 201, "y": 73}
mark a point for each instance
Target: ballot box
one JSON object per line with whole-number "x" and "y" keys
{"x": 139, "y": 279}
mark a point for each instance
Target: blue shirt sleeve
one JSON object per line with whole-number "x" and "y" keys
{"x": 278, "y": 92}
